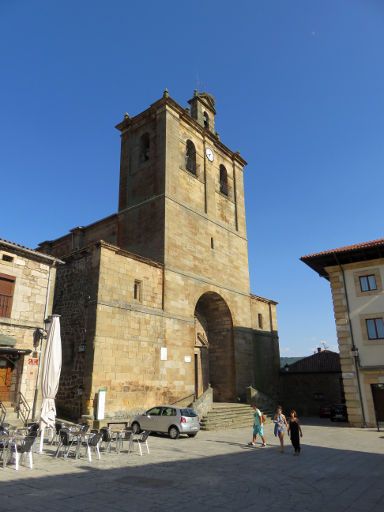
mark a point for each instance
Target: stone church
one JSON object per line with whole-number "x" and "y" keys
{"x": 155, "y": 299}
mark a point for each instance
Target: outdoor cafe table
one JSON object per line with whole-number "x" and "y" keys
{"x": 76, "y": 437}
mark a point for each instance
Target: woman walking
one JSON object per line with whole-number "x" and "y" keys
{"x": 258, "y": 428}
{"x": 281, "y": 425}
{"x": 294, "y": 431}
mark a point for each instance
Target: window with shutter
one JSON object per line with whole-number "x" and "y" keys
{"x": 7, "y": 286}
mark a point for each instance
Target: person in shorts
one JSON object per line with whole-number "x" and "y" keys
{"x": 258, "y": 429}
{"x": 281, "y": 425}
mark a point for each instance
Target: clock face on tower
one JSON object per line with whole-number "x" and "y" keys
{"x": 209, "y": 154}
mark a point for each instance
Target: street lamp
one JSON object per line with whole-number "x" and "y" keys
{"x": 355, "y": 353}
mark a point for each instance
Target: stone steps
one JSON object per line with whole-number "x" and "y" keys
{"x": 12, "y": 416}
{"x": 228, "y": 415}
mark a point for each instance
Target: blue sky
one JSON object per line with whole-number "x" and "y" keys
{"x": 299, "y": 88}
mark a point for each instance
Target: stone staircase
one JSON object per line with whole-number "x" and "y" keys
{"x": 12, "y": 417}
{"x": 230, "y": 415}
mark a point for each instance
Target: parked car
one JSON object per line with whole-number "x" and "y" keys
{"x": 169, "y": 420}
{"x": 325, "y": 411}
{"x": 339, "y": 413}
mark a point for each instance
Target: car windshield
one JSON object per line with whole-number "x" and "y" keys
{"x": 189, "y": 413}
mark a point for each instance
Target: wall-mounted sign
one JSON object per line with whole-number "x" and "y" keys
{"x": 101, "y": 403}
{"x": 348, "y": 375}
{"x": 163, "y": 353}
{"x": 33, "y": 361}
{"x": 187, "y": 359}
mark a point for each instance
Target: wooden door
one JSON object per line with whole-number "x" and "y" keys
{"x": 378, "y": 401}
{"x": 5, "y": 379}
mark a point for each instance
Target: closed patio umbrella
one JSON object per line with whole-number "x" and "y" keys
{"x": 50, "y": 377}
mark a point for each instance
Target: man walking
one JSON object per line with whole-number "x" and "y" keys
{"x": 258, "y": 429}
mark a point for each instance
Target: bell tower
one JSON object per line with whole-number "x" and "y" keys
{"x": 203, "y": 109}
{"x": 181, "y": 199}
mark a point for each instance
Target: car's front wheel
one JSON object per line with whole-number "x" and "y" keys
{"x": 173, "y": 432}
{"x": 136, "y": 428}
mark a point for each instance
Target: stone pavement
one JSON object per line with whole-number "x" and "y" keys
{"x": 339, "y": 469}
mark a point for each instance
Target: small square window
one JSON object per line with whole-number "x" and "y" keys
{"x": 368, "y": 283}
{"x": 375, "y": 328}
{"x": 8, "y": 258}
{"x": 137, "y": 290}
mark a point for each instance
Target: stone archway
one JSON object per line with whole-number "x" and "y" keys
{"x": 214, "y": 349}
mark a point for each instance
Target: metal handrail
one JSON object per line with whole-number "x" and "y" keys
{"x": 3, "y": 412}
{"x": 182, "y": 399}
{"x": 23, "y": 408}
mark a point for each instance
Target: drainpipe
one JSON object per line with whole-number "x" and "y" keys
{"x": 354, "y": 349}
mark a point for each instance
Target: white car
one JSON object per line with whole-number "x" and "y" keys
{"x": 168, "y": 419}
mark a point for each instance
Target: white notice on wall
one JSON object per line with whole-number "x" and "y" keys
{"x": 187, "y": 359}
{"x": 163, "y": 353}
{"x": 101, "y": 404}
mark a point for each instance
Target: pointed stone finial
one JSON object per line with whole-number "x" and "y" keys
{"x": 195, "y": 93}
{"x": 166, "y": 93}
{"x": 126, "y": 115}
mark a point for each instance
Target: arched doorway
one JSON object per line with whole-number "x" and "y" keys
{"x": 214, "y": 351}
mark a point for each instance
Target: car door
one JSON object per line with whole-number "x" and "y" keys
{"x": 168, "y": 418}
{"x": 151, "y": 419}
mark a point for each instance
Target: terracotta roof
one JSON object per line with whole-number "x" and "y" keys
{"x": 347, "y": 248}
{"x": 342, "y": 255}
{"x": 22, "y": 248}
{"x": 263, "y": 299}
{"x": 320, "y": 362}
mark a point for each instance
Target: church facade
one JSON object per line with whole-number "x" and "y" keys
{"x": 155, "y": 300}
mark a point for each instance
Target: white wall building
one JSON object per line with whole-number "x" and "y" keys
{"x": 356, "y": 275}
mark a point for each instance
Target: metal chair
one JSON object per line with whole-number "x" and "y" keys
{"x": 109, "y": 437}
{"x": 66, "y": 442}
{"x": 23, "y": 448}
{"x": 93, "y": 443}
{"x": 56, "y": 436}
{"x": 141, "y": 439}
{"x": 4, "y": 447}
{"x": 83, "y": 427}
{"x": 33, "y": 429}
{"x": 106, "y": 438}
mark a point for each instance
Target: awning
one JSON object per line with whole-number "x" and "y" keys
{"x": 10, "y": 351}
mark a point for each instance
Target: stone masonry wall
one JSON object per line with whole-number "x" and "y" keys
{"x": 129, "y": 334}
{"x": 75, "y": 301}
{"x": 33, "y": 277}
{"x": 266, "y": 354}
{"x": 345, "y": 344}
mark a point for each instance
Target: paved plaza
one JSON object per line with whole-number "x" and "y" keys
{"x": 340, "y": 469}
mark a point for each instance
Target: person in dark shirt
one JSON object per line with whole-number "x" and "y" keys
{"x": 294, "y": 431}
